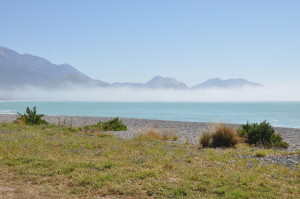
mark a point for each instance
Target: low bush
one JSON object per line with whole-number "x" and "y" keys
{"x": 114, "y": 125}
{"x": 31, "y": 117}
{"x": 262, "y": 134}
{"x": 223, "y": 136}
{"x": 111, "y": 125}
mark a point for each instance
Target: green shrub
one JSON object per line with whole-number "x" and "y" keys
{"x": 31, "y": 117}
{"x": 111, "y": 125}
{"x": 114, "y": 125}
{"x": 223, "y": 136}
{"x": 262, "y": 134}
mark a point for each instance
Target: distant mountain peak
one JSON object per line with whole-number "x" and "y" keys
{"x": 18, "y": 70}
{"x": 165, "y": 82}
{"x": 156, "y": 82}
{"x": 227, "y": 83}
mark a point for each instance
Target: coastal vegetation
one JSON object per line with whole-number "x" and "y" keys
{"x": 222, "y": 136}
{"x": 262, "y": 134}
{"x": 42, "y": 160}
{"x": 50, "y": 161}
{"x": 111, "y": 125}
{"x": 30, "y": 117}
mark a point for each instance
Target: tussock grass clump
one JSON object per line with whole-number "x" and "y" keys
{"x": 31, "y": 117}
{"x": 111, "y": 125}
{"x": 262, "y": 134}
{"x": 223, "y": 136}
{"x": 153, "y": 134}
{"x": 206, "y": 139}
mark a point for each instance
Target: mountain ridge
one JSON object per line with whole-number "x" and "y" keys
{"x": 19, "y": 70}
{"x": 226, "y": 83}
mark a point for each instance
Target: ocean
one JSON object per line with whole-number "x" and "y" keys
{"x": 283, "y": 114}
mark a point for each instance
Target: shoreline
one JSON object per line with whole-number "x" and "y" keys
{"x": 186, "y": 131}
{"x": 278, "y": 113}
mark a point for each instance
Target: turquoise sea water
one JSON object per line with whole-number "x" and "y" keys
{"x": 285, "y": 114}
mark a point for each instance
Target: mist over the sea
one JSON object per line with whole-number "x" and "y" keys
{"x": 266, "y": 93}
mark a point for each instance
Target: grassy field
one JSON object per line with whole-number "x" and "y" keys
{"x": 50, "y": 161}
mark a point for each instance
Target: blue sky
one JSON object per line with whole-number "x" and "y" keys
{"x": 132, "y": 41}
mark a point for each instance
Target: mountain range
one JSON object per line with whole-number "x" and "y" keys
{"x": 19, "y": 70}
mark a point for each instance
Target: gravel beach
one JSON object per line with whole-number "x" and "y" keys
{"x": 186, "y": 131}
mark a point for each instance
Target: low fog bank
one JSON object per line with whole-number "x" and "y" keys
{"x": 266, "y": 93}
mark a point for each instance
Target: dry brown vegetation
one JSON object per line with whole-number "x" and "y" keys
{"x": 206, "y": 139}
{"x": 154, "y": 134}
{"x": 221, "y": 136}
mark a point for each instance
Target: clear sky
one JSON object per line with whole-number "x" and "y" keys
{"x": 132, "y": 41}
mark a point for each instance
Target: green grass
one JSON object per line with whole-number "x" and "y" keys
{"x": 260, "y": 153}
{"x": 111, "y": 125}
{"x": 70, "y": 163}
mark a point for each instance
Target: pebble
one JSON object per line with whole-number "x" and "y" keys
{"x": 290, "y": 161}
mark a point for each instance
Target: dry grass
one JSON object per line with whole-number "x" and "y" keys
{"x": 206, "y": 139}
{"x": 153, "y": 134}
{"x": 19, "y": 122}
{"x": 221, "y": 136}
{"x": 13, "y": 186}
{"x": 225, "y": 136}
